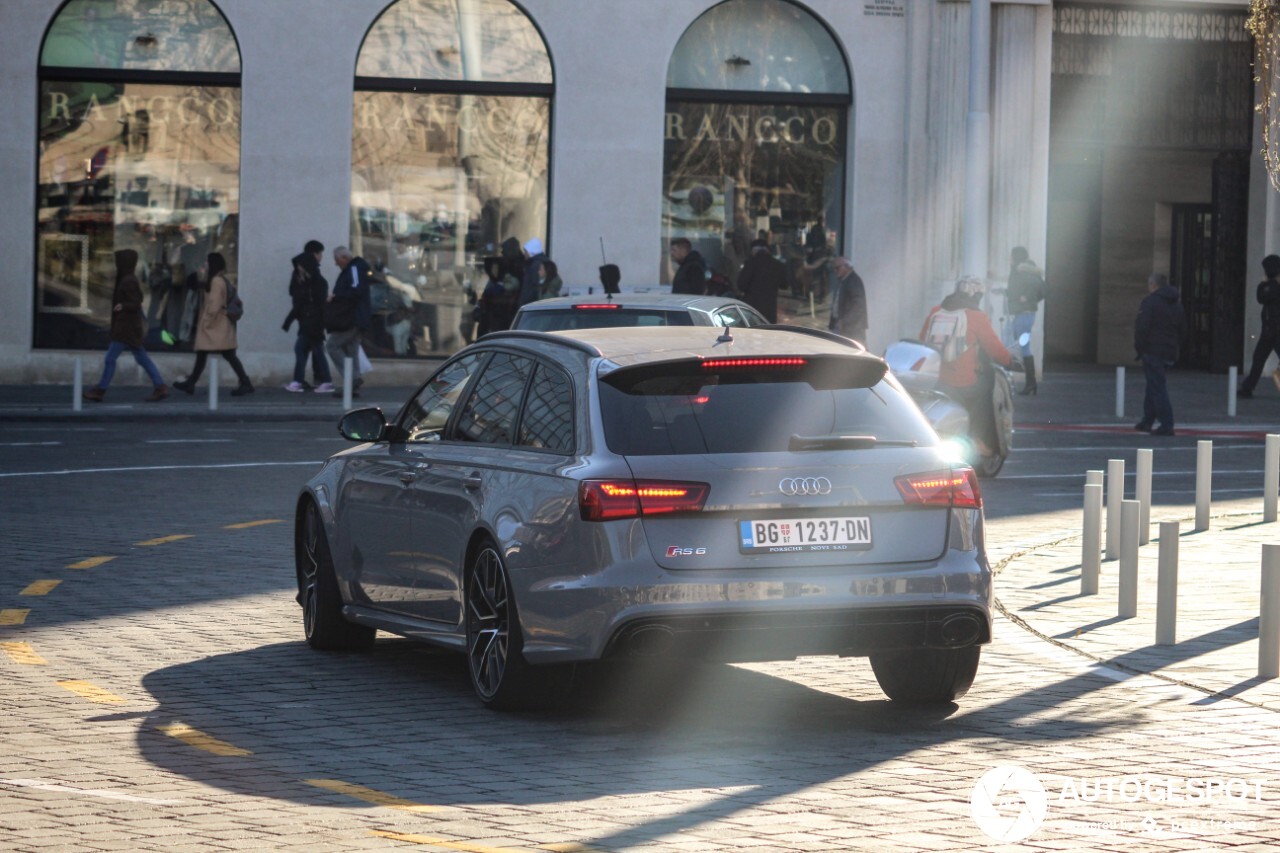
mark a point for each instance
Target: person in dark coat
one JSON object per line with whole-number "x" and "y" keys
{"x": 1026, "y": 290}
{"x": 691, "y": 272}
{"x": 1157, "y": 336}
{"x": 1269, "y": 338}
{"x": 848, "y": 303}
{"x": 308, "y": 289}
{"x": 351, "y": 289}
{"x": 497, "y": 306}
{"x": 127, "y": 331}
{"x": 761, "y": 278}
{"x": 534, "y": 258}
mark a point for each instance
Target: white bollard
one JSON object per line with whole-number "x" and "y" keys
{"x": 1269, "y": 615}
{"x": 1231, "y": 391}
{"x": 1091, "y": 542}
{"x": 347, "y": 379}
{"x": 812, "y": 313}
{"x": 1129, "y": 558}
{"x": 1093, "y": 478}
{"x": 1115, "y": 494}
{"x": 1204, "y": 482}
{"x": 1167, "y": 585}
{"x": 77, "y": 387}
{"x": 1120, "y": 392}
{"x": 1142, "y": 492}
{"x": 213, "y": 384}
{"x": 1271, "y": 477}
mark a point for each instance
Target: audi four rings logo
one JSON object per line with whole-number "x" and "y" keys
{"x": 805, "y": 486}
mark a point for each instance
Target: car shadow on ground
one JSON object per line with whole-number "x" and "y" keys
{"x": 403, "y": 721}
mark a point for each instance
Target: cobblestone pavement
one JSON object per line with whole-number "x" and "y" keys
{"x": 156, "y": 695}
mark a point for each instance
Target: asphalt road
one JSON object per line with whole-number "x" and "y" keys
{"x": 156, "y": 695}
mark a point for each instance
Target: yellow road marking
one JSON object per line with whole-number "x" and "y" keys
{"x": 23, "y": 653}
{"x": 43, "y": 587}
{"x": 412, "y": 838}
{"x": 369, "y": 795}
{"x": 568, "y": 847}
{"x": 200, "y": 740}
{"x": 164, "y": 539}
{"x": 92, "y": 692}
{"x": 13, "y": 617}
{"x": 90, "y": 563}
{"x": 242, "y": 525}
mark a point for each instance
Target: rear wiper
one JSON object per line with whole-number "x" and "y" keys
{"x": 845, "y": 442}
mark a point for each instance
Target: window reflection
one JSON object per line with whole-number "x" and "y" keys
{"x": 154, "y": 35}
{"x": 489, "y": 40}
{"x": 439, "y": 182}
{"x": 149, "y": 167}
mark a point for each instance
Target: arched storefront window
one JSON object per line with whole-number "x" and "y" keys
{"x": 450, "y": 162}
{"x": 758, "y": 94}
{"x": 139, "y": 149}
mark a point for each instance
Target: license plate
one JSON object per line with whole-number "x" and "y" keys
{"x": 780, "y": 535}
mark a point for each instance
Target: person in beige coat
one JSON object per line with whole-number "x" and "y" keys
{"x": 215, "y": 331}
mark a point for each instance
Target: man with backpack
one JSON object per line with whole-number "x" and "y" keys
{"x": 961, "y": 331}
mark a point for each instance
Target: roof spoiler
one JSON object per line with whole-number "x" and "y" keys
{"x": 816, "y": 333}
{"x": 545, "y": 337}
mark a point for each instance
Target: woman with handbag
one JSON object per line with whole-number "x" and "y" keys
{"x": 215, "y": 332}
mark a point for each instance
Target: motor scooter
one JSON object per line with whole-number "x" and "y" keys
{"x": 916, "y": 367}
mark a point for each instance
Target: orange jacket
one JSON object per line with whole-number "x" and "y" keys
{"x": 963, "y": 372}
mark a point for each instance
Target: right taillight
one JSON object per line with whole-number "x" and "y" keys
{"x": 606, "y": 500}
{"x": 956, "y": 487}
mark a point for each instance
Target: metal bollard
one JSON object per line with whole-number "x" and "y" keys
{"x": 213, "y": 384}
{"x": 1129, "y": 558}
{"x": 1142, "y": 492}
{"x": 1271, "y": 477}
{"x": 1204, "y": 482}
{"x": 1115, "y": 494}
{"x": 1231, "y": 391}
{"x": 1120, "y": 392}
{"x": 1269, "y": 615}
{"x": 1091, "y": 541}
{"x": 1167, "y": 585}
{"x": 346, "y": 382}
{"x": 77, "y": 386}
{"x": 1093, "y": 478}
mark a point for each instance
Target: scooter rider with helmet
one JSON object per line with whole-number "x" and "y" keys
{"x": 962, "y": 332}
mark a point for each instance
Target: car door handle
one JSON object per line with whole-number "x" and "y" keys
{"x": 473, "y": 481}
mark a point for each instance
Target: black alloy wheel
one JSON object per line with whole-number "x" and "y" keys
{"x": 322, "y": 619}
{"x": 495, "y": 659}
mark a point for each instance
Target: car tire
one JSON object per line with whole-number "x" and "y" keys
{"x": 986, "y": 467}
{"x": 322, "y": 621}
{"x": 499, "y": 673}
{"x": 925, "y": 676}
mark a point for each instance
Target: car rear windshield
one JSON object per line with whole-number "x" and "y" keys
{"x": 686, "y": 408}
{"x": 556, "y": 320}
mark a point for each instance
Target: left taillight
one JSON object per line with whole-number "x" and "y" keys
{"x": 606, "y": 500}
{"x": 956, "y": 487}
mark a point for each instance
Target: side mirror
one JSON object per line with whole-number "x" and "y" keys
{"x": 363, "y": 425}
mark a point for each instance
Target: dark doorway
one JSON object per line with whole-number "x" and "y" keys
{"x": 1073, "y": 259}
{"x": 1191, "y": 271}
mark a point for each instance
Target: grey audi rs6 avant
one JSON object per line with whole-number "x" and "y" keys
{"x": 549, "y": 499}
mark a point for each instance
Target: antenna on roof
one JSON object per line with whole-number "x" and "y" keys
{"x": 603, "y": 259}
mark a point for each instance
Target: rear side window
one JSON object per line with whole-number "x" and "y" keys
{"x": 547, "y": 423}
{"x": 684, "y": 409}
{"x": 600, "y": 318}
{"x": 490, "y": 411}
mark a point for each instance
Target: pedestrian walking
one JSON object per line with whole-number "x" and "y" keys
{"x": 1026, "y": 291}
{"x": 127, "y": 331}
{"x": 848, "y": 303}
{"x": 611, "y": 279}
{"x": 1268, "y": 295}
{"x": 549, "y": 283}
{"x": 534, "y": 258}
{"x": 349, "y": 313}
{"x": 309, "y": 290}
{"x": 1157, "y": 335}
{"x": 215, "y": 331}
{"x": 691, "y": 269}
{"x": 761, "y": 278}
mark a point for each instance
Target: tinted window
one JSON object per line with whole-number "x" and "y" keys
{"x": 426, "y": 414}
{"x": 600, "y": 318}
{"x": 490, "y": 411}
{"x": 548, "y": 417}
{"x": 682, "y": 412}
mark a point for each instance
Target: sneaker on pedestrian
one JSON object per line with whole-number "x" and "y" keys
{"x": 1143, "y": 426}
{"x": 161, "y": 391}
{"x": 186, "y": 386}
{"x": 295, "y": 387}
{"x": 1243, "y": 394}
{"x": 95, "y": 394}
{"x": 324, "y": 388}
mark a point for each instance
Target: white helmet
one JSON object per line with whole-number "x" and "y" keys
{"x": 970, "y": 285}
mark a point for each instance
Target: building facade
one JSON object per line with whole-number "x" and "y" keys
{"x": 426, "y": 134}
